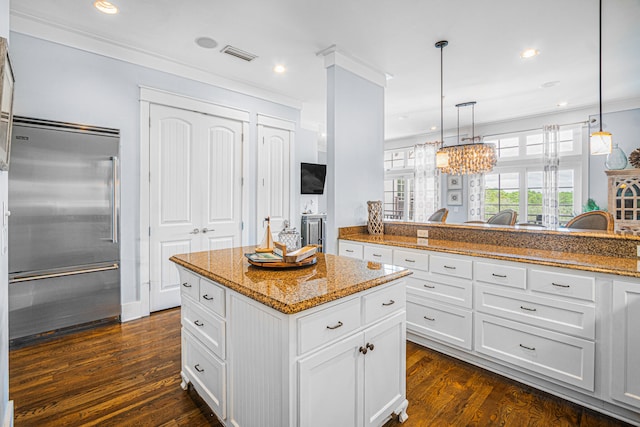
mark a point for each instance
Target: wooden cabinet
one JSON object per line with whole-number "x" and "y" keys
{"x": 340, "y": 363}
{"x": 624, "y": 199}
{"x": 625, "y": 349}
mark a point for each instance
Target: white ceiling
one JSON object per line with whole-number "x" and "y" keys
{"x": 397, "y": 37}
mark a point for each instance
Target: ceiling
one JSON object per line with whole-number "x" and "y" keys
{"x": 396, "y": 37}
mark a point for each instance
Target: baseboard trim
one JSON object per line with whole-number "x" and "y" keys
{"x": 131, "y": 311}
{"x": 8, "y": 415}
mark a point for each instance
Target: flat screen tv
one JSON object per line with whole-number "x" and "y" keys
{"x": 312, "y": 176}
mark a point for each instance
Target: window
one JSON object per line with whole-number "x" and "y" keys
{"x": 517, "y": 180}
{"x": 399, "y": 184}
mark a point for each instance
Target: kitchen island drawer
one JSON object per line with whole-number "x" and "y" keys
{"x": 559, "y": 357}
{"x": 189, "y": 284}
{"x": 328, "y": 325}
{"x": 451, "y": 266}
{"x": 383, "y": 302}
{"x": 447, "y": 324}
{"x": 560, "y": 316}
{"x": 207, "y": 327}
{"x": 566, "y": 285}
{"x": 212, "y": 297}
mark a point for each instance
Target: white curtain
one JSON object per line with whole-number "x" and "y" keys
{"x": 475, "y": 202}
{"x": 427, "y": 181}
{"x": 551, "y": 163}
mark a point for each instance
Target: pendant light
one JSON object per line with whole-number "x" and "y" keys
{"x": 600, "y": 141}
{"x": 442, "y": 157}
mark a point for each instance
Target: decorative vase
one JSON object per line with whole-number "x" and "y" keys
{"x": 617, "y": 159}
{"x": 374, "y": 225}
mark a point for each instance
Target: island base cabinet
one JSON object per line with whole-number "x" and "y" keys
{"x": 358, "y": 381}
{"x": 625, "y": 375}
{"x": 205, "y": 372}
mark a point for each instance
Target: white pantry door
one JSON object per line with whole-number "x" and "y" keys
{"x": 273, "y": 179}
{"x": 195, "y": 183}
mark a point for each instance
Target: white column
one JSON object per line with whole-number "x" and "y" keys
{"x": 355, "y": 141}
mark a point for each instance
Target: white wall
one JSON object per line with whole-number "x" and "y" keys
{"x": 57, "y": 82}
{"x": 355, "y": 143}
{"x": 306, "y": 151}
{"x": 6, "y": 408}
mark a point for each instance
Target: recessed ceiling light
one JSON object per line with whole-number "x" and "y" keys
{"x": 550, "y": 84}
{"x": 434, "y": 127}
{"x": 279, "y": 69}
{"x": 206, "y": 42}
{"x": 529, "y": 53}
{"x": 106, "y": 7}
{"x": 388, "y": 76}
{"x": 562, "y": 104}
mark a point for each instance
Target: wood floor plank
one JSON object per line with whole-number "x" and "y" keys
{"x": 129, "y": 375}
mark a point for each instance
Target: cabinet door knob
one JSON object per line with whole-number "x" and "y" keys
{"x": 207, "y": 297}
{"x": 363, "y": 350}
{"x": 370, "y": 346}
{"x": 198, "y": 323}
{"x": 391, "y": 302}
{"x": 198, "y": 368}
{"x": 336, "y": 326}
{"x": 186, "y": 284}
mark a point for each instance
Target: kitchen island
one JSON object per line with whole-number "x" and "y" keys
{"x": 312, "y": 346}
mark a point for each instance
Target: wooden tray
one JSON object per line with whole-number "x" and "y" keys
{"x": 304, "y": 263}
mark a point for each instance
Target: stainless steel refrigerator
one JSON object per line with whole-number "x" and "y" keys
{"x": 64, "y": 251}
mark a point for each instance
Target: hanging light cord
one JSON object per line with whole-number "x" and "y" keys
{"x": 600, "y": 59}
{"x": 440, "y": 45}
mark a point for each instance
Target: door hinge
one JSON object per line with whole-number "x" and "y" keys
{"x": 241, "y": 181}
{"x": 242, "y": 225}
{"x": 149, "y": 122}
{"x": 149, "y": 231}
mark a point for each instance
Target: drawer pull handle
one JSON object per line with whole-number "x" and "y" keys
{"x": 186, "y": 284}
{"x": 198, "y": 323}
{"x": 198, "y": 368}
{"x": 431, "y": 319}
{"x": 450, "y": 267}
{"x": 370, "y": 346}
{"x": 377, "y": 255}
{"x": 207, "y": 297}
{"x": 560, "y": 285}
{"x": 528, "y": 309}
{"x": 391, "y": 302}
{"x": 502, "y": 276}
{"x": 409, "y": 260}
{"x": 430, "y": 286}
{"x": 335, "y": 327}
{"x": 363, "y": 350}
{"x": 349, "y": 250}
{"x": 527, "y": 348}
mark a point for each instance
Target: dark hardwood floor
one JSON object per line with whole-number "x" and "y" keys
{"x": 129, "y": 375}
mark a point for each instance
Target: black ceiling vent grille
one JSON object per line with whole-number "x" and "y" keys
{"x": 234, "y": 51}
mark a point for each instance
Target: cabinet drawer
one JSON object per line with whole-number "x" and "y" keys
{"x": 454, "y": 291}
{"x": 451, "y": 266}
{"x": 566, "y": 285}
{"x": 207, "y": 327}
{"x": 411, "y": 259}
{"x": 353, "y": 250}
{"x": 378, "y": 254}
{"x": 327, "y": 325}
{"x": 206, "y": 372}
{"x": 447, "y": 324}
{"x": 507, "y": 275}
{"x": 558, "y": 356}
{"x": 189, "y": 284}
{"x": 560, "y": 316}
{"x": 212, "y": 297}
{"x": 381, "y": 303}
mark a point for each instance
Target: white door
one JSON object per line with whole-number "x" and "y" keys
{"x": 384, "y": 369}
{"x": 195, "y": 184}
{"x": 273, "y": 178}
{"x": 330, "y": 385}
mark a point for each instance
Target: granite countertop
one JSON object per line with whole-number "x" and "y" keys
{"x": 578, "y": 261}
{"x": 290, "y": 290}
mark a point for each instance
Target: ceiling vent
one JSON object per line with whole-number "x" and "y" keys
{"x": 234, "y": 51}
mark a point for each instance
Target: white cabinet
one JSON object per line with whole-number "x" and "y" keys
{"x": 383, "y": 254}
{"x": 341, "y": 363}
{"x": 371, "y": 369}
{"x": 352, "y": 250}
{"x": 625, "y": 349}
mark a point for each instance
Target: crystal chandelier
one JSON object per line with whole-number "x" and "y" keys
{"x": 471, "y": 158}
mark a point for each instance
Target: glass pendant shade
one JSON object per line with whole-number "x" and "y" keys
{"x": 600, "y": 143}
{"x": 617, "y": 159}
{"x": 442, "y": 159}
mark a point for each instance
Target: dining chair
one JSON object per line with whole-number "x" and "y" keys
{"x": 439, "y": 216}
{"x": 593, "y": 220}
{"x": 505, "y": 217}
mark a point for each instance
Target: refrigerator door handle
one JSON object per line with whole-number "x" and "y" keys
{"x": 115, "y": 199}
{"x": 63, "y": 274}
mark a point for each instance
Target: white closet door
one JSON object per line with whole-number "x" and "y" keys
{"x": 273, "y": 178}
{"x": 222, "y": 222}
{"x": 195, "y": 183}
